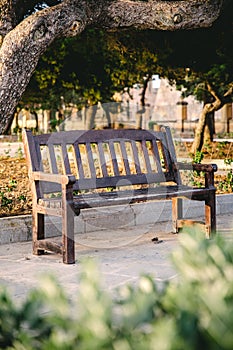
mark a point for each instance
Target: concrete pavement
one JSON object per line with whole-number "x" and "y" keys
{"x": 122, "y": 255}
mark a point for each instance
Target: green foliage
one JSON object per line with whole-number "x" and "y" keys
{"x": 204, "y": 302}
{"x": 7, "y": 197}
{"x": 198, "y": 157}
{"x": 195, "y": 311}
{"x": 227, "y": 184}
{"x": 89, "y": 69}
{"x": 220, "y": 147}
{"x": 196, "y": 177}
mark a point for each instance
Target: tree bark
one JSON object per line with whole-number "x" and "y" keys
{"x": 160, "y": 14}
{"x": 141, "y": 112}
{"x": 209, "y": 129}
{"x": 90, "y": 117}
{"x": 106, "y": 107}
{"x": 23, "y": 43}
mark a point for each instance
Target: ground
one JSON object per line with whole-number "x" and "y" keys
{"x": 15, "y": 194}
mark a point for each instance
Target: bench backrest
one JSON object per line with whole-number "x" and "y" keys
{"x": 104, "y": 158}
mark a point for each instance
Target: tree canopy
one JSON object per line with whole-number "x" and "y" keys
{"x": 27, "y": 29}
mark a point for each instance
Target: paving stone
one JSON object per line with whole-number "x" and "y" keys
{"x": 120, "y": 263}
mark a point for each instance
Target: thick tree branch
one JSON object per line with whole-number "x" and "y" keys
{"x": 218, "y": 101}
{"x": 153, "y": 14}
{"x": 159, "y": 14}
{"x": 217, "y": 104}
{"x": 143, "y": 94}
{"x": 229, "y": 92}
{"x": 7, "y": 17}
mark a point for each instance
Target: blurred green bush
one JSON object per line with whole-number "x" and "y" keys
{"x": 195, "y": 311}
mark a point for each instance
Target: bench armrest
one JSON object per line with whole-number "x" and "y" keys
{"x": 208, "y": 169}
{"x": 55, "y": 178}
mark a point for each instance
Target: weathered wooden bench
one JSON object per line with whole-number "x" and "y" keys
{"x": 73, "y": 170}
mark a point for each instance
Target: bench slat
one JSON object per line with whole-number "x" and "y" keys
{"x": 102, "y": 159}
{"x": 95, "y": 136}
{"x": 52, "y": 159}
{"x": 78, "y": 161}
{"x": 136, "y": 158}
{"x": 114, "y": 158}
{"x": 156, "y": 157}
{"x": 165, "y": 153}
{"x": 90, "y": 160}
{"x": 110, "y": 181}
{"x": 125, "y": 157}
{"x": 146, "y": 157}
{"x": 65, "y": 159}
{"x": 93, "y": 200}
{"x": 39, "y": 161}
{"x": 172, "y": 154}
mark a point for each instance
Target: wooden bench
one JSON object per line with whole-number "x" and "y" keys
{"x": 73, "y": 170}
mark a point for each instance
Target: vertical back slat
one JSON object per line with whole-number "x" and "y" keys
{"x": 90, "y": 160}
{"x": 135, "y": 156}
{"x": 166, "y": 154}
{"x": 33, "y": 151}
{"x": 102, "y": 159}
{"x": 65, "y": 163}
{"x": 78, "y": 161}
{"x": 125, "y": 157}
{"x": 114, "y": 158}
{"x": 155, "y": 153}
{"x": 39, "y": 156}
{"x": 52, "y": 158}
{"x": 172, "y": 153}
{"x": 146, "y": 157}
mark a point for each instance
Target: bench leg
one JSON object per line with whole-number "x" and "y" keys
{"x": 177, "y": 213}
{"x": 210, "y": 215}
{"x": 68, "y": 246}
{"x": 38, "y": 232}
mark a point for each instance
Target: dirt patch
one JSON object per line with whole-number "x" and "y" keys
{"x": 217, "y": 150}
{"x": 15, "y": 193}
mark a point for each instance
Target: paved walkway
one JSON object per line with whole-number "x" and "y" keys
{"x": 122, "y": 257}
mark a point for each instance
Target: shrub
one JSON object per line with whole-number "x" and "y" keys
{"x": 195, "y": 311}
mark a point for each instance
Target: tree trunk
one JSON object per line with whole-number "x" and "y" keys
{"x": 225, "y": 117}
{"x": 204, "y": 132}
{"x": 139, "y": 119}
{"x": 209, "y": 129}
{"x": 36, "y": 118}
{"x": 90, "y": 117}
{"x": 208, "y": 112}
{"x": 8, "y": 124}
{"x": 110, "y": 119}
{"x": 141, "y": 112}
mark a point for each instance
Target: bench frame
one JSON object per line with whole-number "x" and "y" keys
{"x": 165, "y": 169}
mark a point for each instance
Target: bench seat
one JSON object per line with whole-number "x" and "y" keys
{"x": 102, "y": 199}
